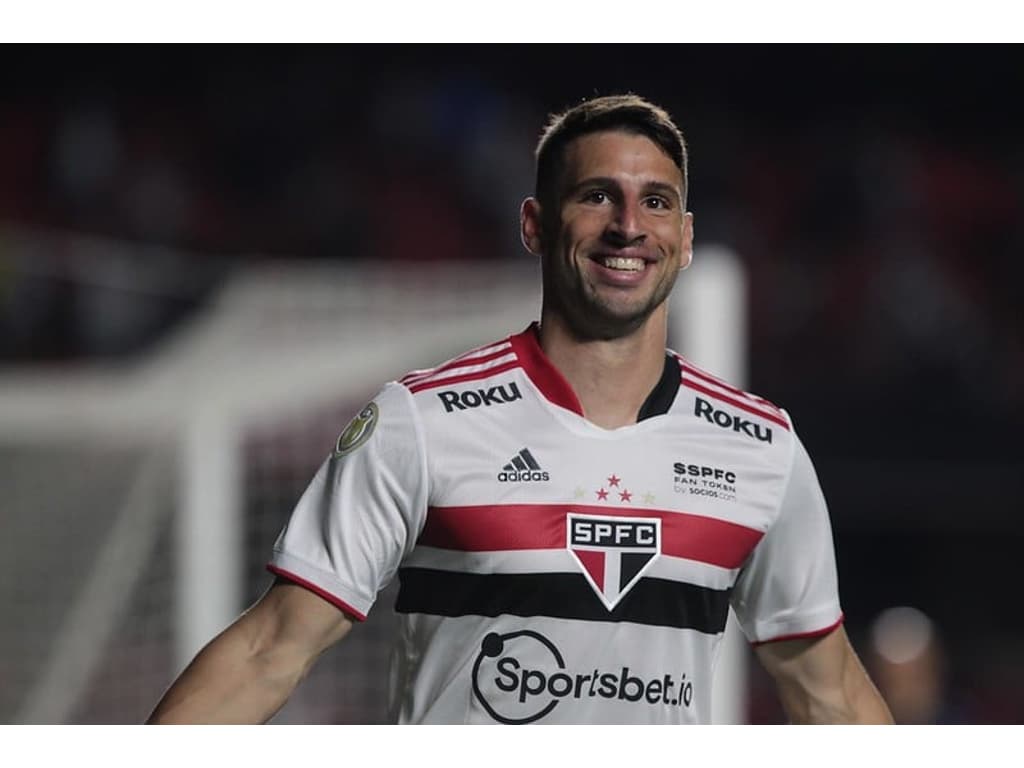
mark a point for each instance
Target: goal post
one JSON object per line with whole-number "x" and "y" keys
{"x": 708, "y": 325}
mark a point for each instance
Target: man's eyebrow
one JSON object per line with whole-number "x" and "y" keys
{"x": 659, "y": 187}
{"x": 664, "y": 189}
{"x": 592, "y": 181}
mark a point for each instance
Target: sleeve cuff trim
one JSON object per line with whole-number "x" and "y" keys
{"x": 803, "y": 635}
{"x": 319, "y": 591}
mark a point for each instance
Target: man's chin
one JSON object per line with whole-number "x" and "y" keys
{"x": 605, "y": 324}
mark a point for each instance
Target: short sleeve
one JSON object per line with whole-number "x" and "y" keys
{"x": 789, "y": 586}
{"x": 363, "y": 510}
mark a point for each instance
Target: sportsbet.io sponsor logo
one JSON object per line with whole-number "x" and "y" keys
{"x": 474, "y": 398}
{"x": 727, "y": 420}
{"x": 520, "y": 677}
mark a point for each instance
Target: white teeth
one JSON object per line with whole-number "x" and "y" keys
{"x": 631, "y": 264}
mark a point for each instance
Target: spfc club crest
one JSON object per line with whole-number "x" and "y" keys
{"x": 613, "y": 552}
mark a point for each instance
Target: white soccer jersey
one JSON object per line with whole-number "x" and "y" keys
{"x": 553, "y": 571}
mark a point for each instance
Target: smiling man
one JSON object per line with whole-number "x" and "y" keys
{"x": 617, "y": 231}
{"x": 571, "y": 510}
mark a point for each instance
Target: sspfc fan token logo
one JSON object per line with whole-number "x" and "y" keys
{"x": 613, "y": 552}
{"x": 358, "y": 431}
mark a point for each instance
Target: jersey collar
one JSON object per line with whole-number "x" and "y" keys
{"x": 556, "y": 389}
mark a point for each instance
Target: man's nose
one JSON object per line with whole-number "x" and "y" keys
{"x": 626, "y": 226}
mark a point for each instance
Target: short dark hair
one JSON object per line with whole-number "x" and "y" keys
{"x": 622, "y": 112}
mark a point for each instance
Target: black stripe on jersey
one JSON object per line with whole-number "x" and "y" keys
{"x": 664, "y": 393}
{"x": 656, "y": 602}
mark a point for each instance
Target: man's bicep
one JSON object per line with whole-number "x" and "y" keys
{"x": 292, "y": 618}
{"x": 821, "y": 680}
{"x": 811, "y": 662}
{"x": 247, "y": 672}
{"x": 808, "y": 675}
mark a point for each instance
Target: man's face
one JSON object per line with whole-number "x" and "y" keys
{"x": 617, "y": 235}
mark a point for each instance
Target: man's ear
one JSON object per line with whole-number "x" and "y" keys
{"x": 687, "y": 249}
{"x": 530, "y": 225}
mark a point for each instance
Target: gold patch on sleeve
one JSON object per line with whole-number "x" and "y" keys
{"x": 358, "y": 431}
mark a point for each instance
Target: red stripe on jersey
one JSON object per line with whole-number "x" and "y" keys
{"x": 542, "y": 372}
{"x": 459, "y": 362}
{"x": 458, "y": 379}
{"x": 804, "y": 635}
{"x": 693, "y": 371}
{"x": 318, "y": 591}
{"x": 505, "y": 527}
{"x": 737, "y": 403}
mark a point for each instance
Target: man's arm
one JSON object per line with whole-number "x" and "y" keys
{"x": 821, "y": 680}
{"x": 247, "y": 672}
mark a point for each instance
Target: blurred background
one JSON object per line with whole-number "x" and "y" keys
{"x": 174, "y": 221}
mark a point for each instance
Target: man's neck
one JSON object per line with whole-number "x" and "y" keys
{"x": 611, "y": 378}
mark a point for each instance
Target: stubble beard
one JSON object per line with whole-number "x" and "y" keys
{"x": 591, "y": 316}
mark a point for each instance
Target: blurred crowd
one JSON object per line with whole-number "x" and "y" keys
{"x": 880, "y": 229}
{"x": 876, "y": 234}
{"x": 875, "y": 195}
{"x": 224, "y": 161}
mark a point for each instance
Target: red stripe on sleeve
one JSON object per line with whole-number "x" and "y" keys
{"x": 690, "y": 369}
{"x": 460, "y": 362}
{"x": 804, "y": 635}
{"x": 318, "y": 591}
{"x": 736, "y": 403}
{"x": 433, "y": 383}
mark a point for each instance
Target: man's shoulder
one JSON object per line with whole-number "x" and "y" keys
{"x": 721, "y": 403}
{"x": 476, "y": 364}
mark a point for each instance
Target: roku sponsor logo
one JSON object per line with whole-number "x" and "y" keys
{"x": 474, "y": 398}
{"x": 727, "y": 420}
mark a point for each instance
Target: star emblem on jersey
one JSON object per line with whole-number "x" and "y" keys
{"x": 615, "y": 490}
{"x": 613, "y": 552}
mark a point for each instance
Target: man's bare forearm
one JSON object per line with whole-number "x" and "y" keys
{"x": 822, "y": 681}
{"x": 229, "y": 682}
{"x": 857, "y": 703}
{"x": 247, "y": 673}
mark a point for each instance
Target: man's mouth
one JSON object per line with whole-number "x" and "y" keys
{"x": 622, "y": 263}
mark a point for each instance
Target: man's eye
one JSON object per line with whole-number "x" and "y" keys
{"x": 596, "y": 196}
{"x": 658, "y": 203}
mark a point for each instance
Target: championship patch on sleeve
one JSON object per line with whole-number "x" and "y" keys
{"x": 358, "y": 431}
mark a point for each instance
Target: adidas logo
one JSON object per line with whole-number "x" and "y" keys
{"x": 523, "y": 469}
